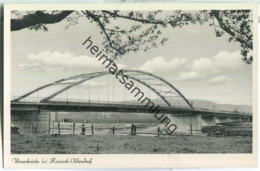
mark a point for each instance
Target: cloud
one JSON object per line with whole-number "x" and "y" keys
{"x": 28, "y": 65}
{"x": 223, "y": 61}
{"x": 68, "y": 60}
{"x": 186, "y": 76}
{"x": 158, "y": 64}
{"x": 219, "y": 80}
{"x": 36, "y": 67}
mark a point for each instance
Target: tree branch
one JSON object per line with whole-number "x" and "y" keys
{"x": 96, "y": 19}
{"x": 131, "y": 18}
{"x": 38, "y": 17}
{"x": 224, "y": 26}
{"x": 145, "y": 21}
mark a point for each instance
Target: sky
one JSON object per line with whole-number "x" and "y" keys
{"x": 194, "y": 60}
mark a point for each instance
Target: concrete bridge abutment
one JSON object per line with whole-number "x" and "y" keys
{"x": 187, "y": 124}
{"x": 31, "y": 121}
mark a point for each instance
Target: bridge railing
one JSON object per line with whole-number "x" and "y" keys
{"x": 220, "y": 111}
{"x": 101, "y": 103}
{"x": 83, "y": 101}
{"x": 98, "y": 102}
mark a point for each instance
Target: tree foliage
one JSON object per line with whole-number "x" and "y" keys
{"x": 144, "y": 29}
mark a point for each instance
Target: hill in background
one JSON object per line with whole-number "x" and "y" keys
{"x": 212, "y": 105}
{"x": 197, "y": 103}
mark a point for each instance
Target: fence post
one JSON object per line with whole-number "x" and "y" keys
{"x": 191, "y": 129}
{"x": 224, "y": 132}
{"x": 158, "y": 129}
{"x": 83, "y": 129}
{"x": 92, "y": 129}
{"x": 73, "y": 128}
{"x": 35, "y": 129}
{"x": 52, "y": 126}
{"x": 132, "y": 129}
{"x": 113, "y": 130}
{"x": 59, "y": 127}
{"x": 49, "y": 132}
{"x": 31, "y": 128}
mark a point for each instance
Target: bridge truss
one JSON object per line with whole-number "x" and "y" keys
{"x": 165, "y": 90}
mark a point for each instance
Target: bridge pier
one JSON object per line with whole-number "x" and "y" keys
{"x": 209, "y": 120}
{"x": 187, "y": 123}
{"x": 56, "y": 116}
{"x": 31, "y": 121}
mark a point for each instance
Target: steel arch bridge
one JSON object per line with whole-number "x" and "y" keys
{"x": 149, "y": 80}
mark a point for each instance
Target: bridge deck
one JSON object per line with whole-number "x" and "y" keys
{"x": 118, "y": 107}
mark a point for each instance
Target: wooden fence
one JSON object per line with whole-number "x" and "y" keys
{"x": 138, "y": 129}
{"x": 91, "y": 129}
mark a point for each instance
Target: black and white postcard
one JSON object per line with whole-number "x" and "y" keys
{"x": 153, "y": 85}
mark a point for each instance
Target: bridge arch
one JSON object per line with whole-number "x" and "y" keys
{"x": 145, "y": 78}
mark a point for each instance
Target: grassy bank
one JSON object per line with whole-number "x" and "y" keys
{"x": 82, "y": 144}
